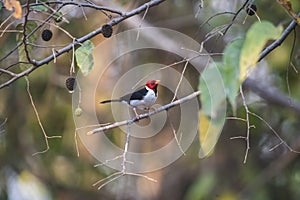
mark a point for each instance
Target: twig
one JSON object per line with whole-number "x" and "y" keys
{"x": 272, "y": 96}
{"x": 7, "y": 72}
{"x": 146, "y": 115}
{"x": 123, "y": 172}
{"x": 126, "y": 148}
{"x": 140, "y": 25}
{"x": 279, "y": 41}
{"x": 215, "y": 15}
{"x": 235, "y": 16}
{"x": 247, "y": 137}
{"x": 107, "y": 178}
{"x": 275, "y": 133}
{"x": 180, "y": 80}
{"x": 79, "y": 4}
{"x": 67, "y": 48}
{"x": 39, "y": 120}
{"x": 24, "y": 41}
{"x": 248, "y": 124}
{"x": 175, "y": 136}
{"x": 27, "y": 36}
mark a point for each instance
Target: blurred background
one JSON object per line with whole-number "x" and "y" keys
{"x": 60, "y": 174}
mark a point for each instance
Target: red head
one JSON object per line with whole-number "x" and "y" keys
{"x": 152, "y": 84}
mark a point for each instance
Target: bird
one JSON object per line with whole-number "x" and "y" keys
{"x": 141, "y": 99}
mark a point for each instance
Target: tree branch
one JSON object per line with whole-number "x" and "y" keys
{"x": 80, "y": 4}
{"x": 279, "y": 41}
{"x": 114, "y": 21}
{"x": 272, "y": 96}
{"x": 146, "y": 115}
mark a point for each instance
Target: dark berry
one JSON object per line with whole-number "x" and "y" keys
{"x": 70, "y": 84}
{"x": 107, "y": 30}
{"x": 251, "y": 9}
{"x": 46, "y": 35}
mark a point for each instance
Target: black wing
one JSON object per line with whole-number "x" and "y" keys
{"x": 137, "y": 95}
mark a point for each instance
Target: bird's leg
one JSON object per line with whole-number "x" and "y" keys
{"x": 136, "y": 114}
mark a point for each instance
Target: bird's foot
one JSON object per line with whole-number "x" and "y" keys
{"x": 136, "y": 114}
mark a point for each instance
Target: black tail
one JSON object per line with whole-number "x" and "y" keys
{"x": 111, "y": 100}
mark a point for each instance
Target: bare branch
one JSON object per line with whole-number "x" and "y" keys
{"x": 80, "y": 4}
{"x": 282, "y": 142}
{"x": 235, "y": 16}
{"x": 272, "y": 96}
{"x": 146, "y": 115}
{"x": 279, "y": 41}
{"x": 114, "y": 21}
{"x": 24, "y": 41}
{"x": 247, "y": 138}
{"x": 39, "y": 120}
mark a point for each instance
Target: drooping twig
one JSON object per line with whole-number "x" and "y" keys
{"x": 146, "y": 115}
{"x": 39, "y": 120}
{"x": 247, "y": 120}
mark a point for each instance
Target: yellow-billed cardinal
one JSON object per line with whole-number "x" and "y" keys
{"x": 141, "y": 99}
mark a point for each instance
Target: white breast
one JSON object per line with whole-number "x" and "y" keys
{"x": 147, "y": 102}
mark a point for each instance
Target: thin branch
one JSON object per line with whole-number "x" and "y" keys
{"x": 27, "y": 36}
{"x": 175, "y": 136}
{"x": 39, "y": 120}
{"x": 24, "y": 41}
{"x": 180, "y": 80}
{"x": 287, "y": 79}
{"x": 123, "y": 172}
{"x": 235, "y": 16}
{"x": 146, "y": 115}
{"x": 272, "y": 96}
{"x": 114, "y": 21}
{"x": 275, "y": 133}
{"x": 247, "y": 138}
{"x": 215, "y": 15}
{"x": 85, "y": 5}
{"x": 7, "y": 72}
{"x": 140, "y": 25}
{"x": 279, "y": 41}
{"x": 7, "y": 31}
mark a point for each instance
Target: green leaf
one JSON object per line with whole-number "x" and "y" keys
{"x": 231, "y": 70}
{"x": 213, "y": 108}
{"x": 39, "y": 8}
{"x": 256, "y": 38}
{"x": 30, "y": 26}
{"x": 209, "y": 132}
{"x": 212, "y": 89}
{"x": 84, "y": 57}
